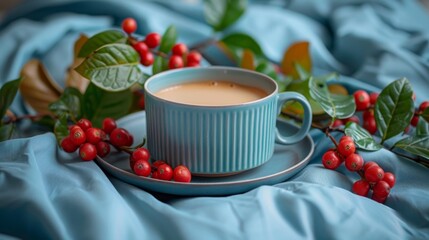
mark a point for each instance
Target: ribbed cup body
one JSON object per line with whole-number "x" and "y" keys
{"x": 211, "y": 140}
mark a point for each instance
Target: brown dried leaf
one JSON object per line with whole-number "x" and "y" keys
{"x": 78, "y": 44}
{"x": 37, "y": 88}
{"x": 74, "y": 79}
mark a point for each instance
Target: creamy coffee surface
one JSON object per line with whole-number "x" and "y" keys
{"x": 211, "y": 93}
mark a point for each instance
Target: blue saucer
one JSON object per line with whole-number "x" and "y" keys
{"x": 286, "y": 161}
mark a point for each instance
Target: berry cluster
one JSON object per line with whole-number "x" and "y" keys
{"x": 139, "y": 163}
{"x": 372, "y": 175}
{"x": 179, "y": 57}
{"x": 418, "y": 112}
{"x": 92, "y": 141}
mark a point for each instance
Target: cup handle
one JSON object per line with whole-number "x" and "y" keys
{"x": 306, "y": 124}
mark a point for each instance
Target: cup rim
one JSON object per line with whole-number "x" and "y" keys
{"x": 150, "y": 79}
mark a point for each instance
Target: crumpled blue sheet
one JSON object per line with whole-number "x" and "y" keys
{"x": 48, "y": 194}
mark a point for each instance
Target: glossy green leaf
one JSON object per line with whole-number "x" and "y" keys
{"x": 422, "y": 127}
{"x": 336, "y": 106}
{"x": 362, "y": 138}
{"x": 7, "y": 94}
{"x": 160, "y": 64}
{"x": 114, "y": 67}
{"x": 425, "y": 114}
{"x": 68, "y": 104}
{"x": 220, "y": 14}
{"x": 302, "y": 86}
{"x": 99, "y": 104}
{"x": 418, "y": 145}
{"x": 243, "y": 41}
{"x": 101, "y": 39}
{"x": 61, "y": 130}
{"x": 168, "y": 39}
{"x": 394, "y": 108}
{"x": 6, "y": 131}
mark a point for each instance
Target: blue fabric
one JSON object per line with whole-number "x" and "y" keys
{"x": 48, "y": 194}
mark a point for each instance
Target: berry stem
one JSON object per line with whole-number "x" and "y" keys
{"x": 327, "y": 133}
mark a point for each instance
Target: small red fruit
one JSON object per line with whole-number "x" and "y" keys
{"x": 108, "y": 125}
{"x": 93, "y": 135}
{"x": 181, "y": 174}
{"x": 103, "y": 149}
{"x": 140, "y": 154}
{"x": 423, "y": 106}
{"x": 155, "y": 175}
{"x": 129, "y": 25}
{"x": 415, "y": 120}
{"x": 362, "y": 100}
{"x": 378, "y": 199}
{"x": 67, "y": 145}
{"x": 373, "y": 97}
{"x": 84, "y": 124}
{"x": 146, "y": 58}
{"x": 337, "y": 123}
{"x": 120, "y": 137}
{"x": 158, "y": 163}
{"x": 192, "y": 64}
{"x": 354, "y": 119}
{"x": 140, "y": 47}
{"x": 179, "y": 49}
{"x": 175, "y": 62}
{"x": 87, "y": 152}
{"x": 374, "y": 174}
{"x": 370, "y": 125}
{"x": 141, "y": 102}
{"x": 369, "y": 164}
{"x": 331, "y": 160}
{"x": 381, "y": 189}
{"x": 354, "y": 162}
{"x": 346, "y": 138}
{"x": 142, "y": 168}
{"x": 389, "y": 178}
{"x": 361, "y": 187}
{"x": 193, "y": 57}
{"x": 152, "y": 40}
{"x": 77, "y": 135}
{"x": 369, "y": 113}
{"x": 165, "y": 172}
{"x": 346, "y": 148}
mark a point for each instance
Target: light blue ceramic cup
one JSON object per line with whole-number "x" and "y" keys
{"x": 217, "y": 140}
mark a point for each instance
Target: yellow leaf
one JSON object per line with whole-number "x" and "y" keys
{"x": 37, "y": 87}
{"x": 297, "y": 53}
{"x": 74, "y": 79}
{"x": 248, "y": 60}
{"x": 338, "y": 89}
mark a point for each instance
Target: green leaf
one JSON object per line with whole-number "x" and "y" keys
{"x": 101, "y": 39}
{"x": 99, "y": 104}
{"x": 302, "y": 86}
{"x": 418, "y": 145}
{"x": 394, "y": 108}
{"x": 61, "y": 130}
{"x": 362, "y": 138}
{"x": 6, "y": 131}
{"x": 425, "y": 114}
{"x": 160, "y": 64}
{"x": 114, "y": 67}
{"x": 168, "y": 39}
{"x": 267, "y": 68}
{"x": 422, "y": 127}
{"x": 220, "y": 14}
{"x": 69, "y": 104}
{"x": 143, "y": 79}
{"x": 244, "y": 41}
{"x": 336, "y": 106}
{"x": 7, "y": 94}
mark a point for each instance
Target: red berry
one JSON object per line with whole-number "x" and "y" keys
{"x": 120, "y": 137}
{"x": 374, "y": 174}
{"x": 354, "y": 119}
{"x": 140, "y": 47}
{"x": 362, "y": 100}
{"x": 109, "y": 124}
{"x": 84, "y": 124}
{"x": 423, "y": 106}
{"x": 158, "y": 163}
{"x": 155, "y": 175}
{"x": 337, "y": 123}
{"x": 192, "y": 64}
{"x": 87, "y": 151}
{"x": 370, "y": 125}
{"x": 129, "y": 25}
{"x": 152, "y": 40}
{"x": 93, "y": 135}
{"x": 179, "y": 49}
{"x": 354, "y": 162}
{"x": 165, "y": 172}
{"x": 346, "y": 148}
{"x": 103, "y": 149}
{"x": 346, "y": 138}
{"x": 381, "y": 189}
{"x": 193, "y": 57}
{"x": 146, "y": 58}
{"x": 141, "y": 102}
{"x": 415, "y": 120}
{"x": 67, "y": 145}
{"x": 373, "y": 97}
{"x": 175, "y": 62}
{"x": 369, "y": 164}
{"x": 142, "y": 168}
{"x": 378, "y": 199}
{"x": 181, "y": 174}
{"x": 368, "y": 114}
{"x": 361, "y": 187}
{"x": 140, "y": 154}
{"x": 130, "y": 139}
{"x": 77, "y": 135}
{"x": 389, "y": 178}
{"x": 331, "y": 160}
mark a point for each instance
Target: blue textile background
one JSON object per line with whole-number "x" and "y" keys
{"x": 47, "y": 194}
